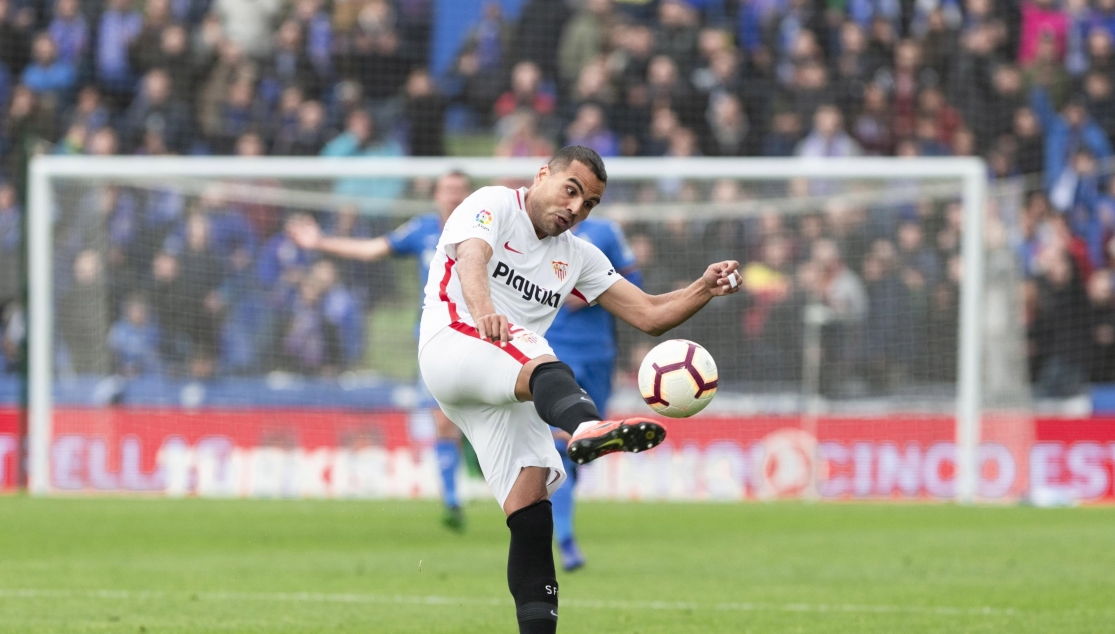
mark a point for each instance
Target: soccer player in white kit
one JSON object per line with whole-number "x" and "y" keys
{"x": 503, "y": 267}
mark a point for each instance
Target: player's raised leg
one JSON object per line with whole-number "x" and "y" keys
{"x": 563, "y": 404}
{"x": 448, "y": 449}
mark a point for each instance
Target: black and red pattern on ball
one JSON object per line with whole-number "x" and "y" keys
{"x": 702, "y": 387}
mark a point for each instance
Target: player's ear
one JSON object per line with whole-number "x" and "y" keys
{"x": 543, "y": 172}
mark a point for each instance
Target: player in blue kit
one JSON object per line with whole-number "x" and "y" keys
{"x": 417, "y": 237}
{"x": 584, "y": 337}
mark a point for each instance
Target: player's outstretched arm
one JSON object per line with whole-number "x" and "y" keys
{"x": 472, "y": 269}
{"x": 657, "y": 314}
{"x": 307, "y": 235}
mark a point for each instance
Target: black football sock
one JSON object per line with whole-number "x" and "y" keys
{"x": 559, "y": 400}
{"x": 530, "y": 568}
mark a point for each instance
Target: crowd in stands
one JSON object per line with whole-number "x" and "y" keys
{"x": 1027, "y": 84}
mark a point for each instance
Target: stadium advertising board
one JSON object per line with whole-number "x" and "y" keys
{"x": 322, "y": 453}
{"x": 9, "y": 448}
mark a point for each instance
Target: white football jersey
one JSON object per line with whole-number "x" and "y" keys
{"x": 529, "y": 278}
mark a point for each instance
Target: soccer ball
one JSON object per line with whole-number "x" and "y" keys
{"x": 678, "y": 378}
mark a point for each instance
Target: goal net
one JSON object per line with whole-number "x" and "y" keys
{"x": 186, "y": 346}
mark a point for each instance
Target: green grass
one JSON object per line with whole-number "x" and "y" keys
{"x": 134, "y": 565}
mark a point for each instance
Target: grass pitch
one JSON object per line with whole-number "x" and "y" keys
{"x": 150, "y": 566}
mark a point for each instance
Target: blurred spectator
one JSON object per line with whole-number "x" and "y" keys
{"x": 144, "y": 50}
{"x": 69, "y": 31}
{"x": 1099, "y": 97}
{"x": 289, "y": 63}
{"x": 240, "y": 113}
{"x": 89, "y": 111}
{"x": 540, "y": 45}
{"x": 188, "y": 303}
{"x": 307, "y": 136}
{"x": 668, "y": 88}
{"x": 15, "y": 33}
{"x": 424, "y": 109}
{"x": 590, "y": 129}
{"x": 1062, "y": 327}
{"x": 521, "y": 138}
{"x": 83, "y": 314}
{"x": 155, "y": 112}
{"x": 785, "y": 133}
{"x": 134, "y": 340}
{"x": 119, "y": 26}
{"x": 1065, "y": 132}
{"x": 920, "y": 264}
{"x": 1030, "y": 148}
{"x": 11, "y": 241}
{"x": 480, "y": 65}
{"x": 810, "y": 89}
{"x": 171, "y": 52}
{"x": 1041, "y": 20}
{"x": 373, "y": 55}
{"x": 827, "y": 138}
{"x": 359, "y": 139}
{"x": 871, "y": 128}
{"x": 1100, "y": 297}
{"x": 1048, "y": 71}
{"x": 890, "y": 320}
{"x": 317, "y": 29}
{"x": 28, "y": 119}
{"x": 842, "y": 293}
{"x": 13, "y": 334}
{"x": 321, "y": 333}
{"x": 770, "y": 323}
{"x": 526, "y": 94}
{"x": 229, "y": 231}
{"x": 677, "y": 33}
{"x": 728, "y": 127}
{"x": 583, "y": 38}
{"x": 231, "y": 67}
{"x": 47, "y": 75}
{"x": 248, "y": 23}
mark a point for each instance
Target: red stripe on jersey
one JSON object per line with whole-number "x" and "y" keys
{"x": 466, "y": 329}
{"x": 577, "y": 293}
{"x": 519, "y": 198}
{"x": 444, "y": 294}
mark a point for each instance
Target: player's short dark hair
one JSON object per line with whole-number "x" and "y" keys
{"x": 584, "y": 155}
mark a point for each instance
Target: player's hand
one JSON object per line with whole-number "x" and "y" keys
{"x": 304, "y": 231}
{"x": 722, "y": 278}
{"x": 493, "y": 327}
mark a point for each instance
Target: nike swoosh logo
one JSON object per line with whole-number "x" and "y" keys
{"x": 552, "y": 612}
{"x": 507, "y": 245}
{"x": 615, "y": 442}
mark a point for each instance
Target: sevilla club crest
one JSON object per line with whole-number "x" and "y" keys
{"x": 561, "y": 269}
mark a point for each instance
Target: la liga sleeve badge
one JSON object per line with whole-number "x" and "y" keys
{"x": 484, "y": 219}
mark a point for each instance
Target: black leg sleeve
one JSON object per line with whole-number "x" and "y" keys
{"x": 558, "y": 399}
{"x": 530, "y": 569}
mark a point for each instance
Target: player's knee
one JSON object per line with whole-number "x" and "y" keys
{"x": 547, "y": 368}
{"x": 558, "y": 399}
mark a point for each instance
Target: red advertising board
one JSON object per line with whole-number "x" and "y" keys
{"x": 9, "y": 449}
{"x": 279, "y": 453}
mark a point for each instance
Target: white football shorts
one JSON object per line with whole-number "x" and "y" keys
{"x": 474, "y": 383}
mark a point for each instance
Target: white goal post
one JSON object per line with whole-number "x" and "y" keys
{"x": 46, "y": 171}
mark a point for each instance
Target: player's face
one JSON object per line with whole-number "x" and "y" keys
{"x": 561, "y": 199}
{"x": 451, "y": 190}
